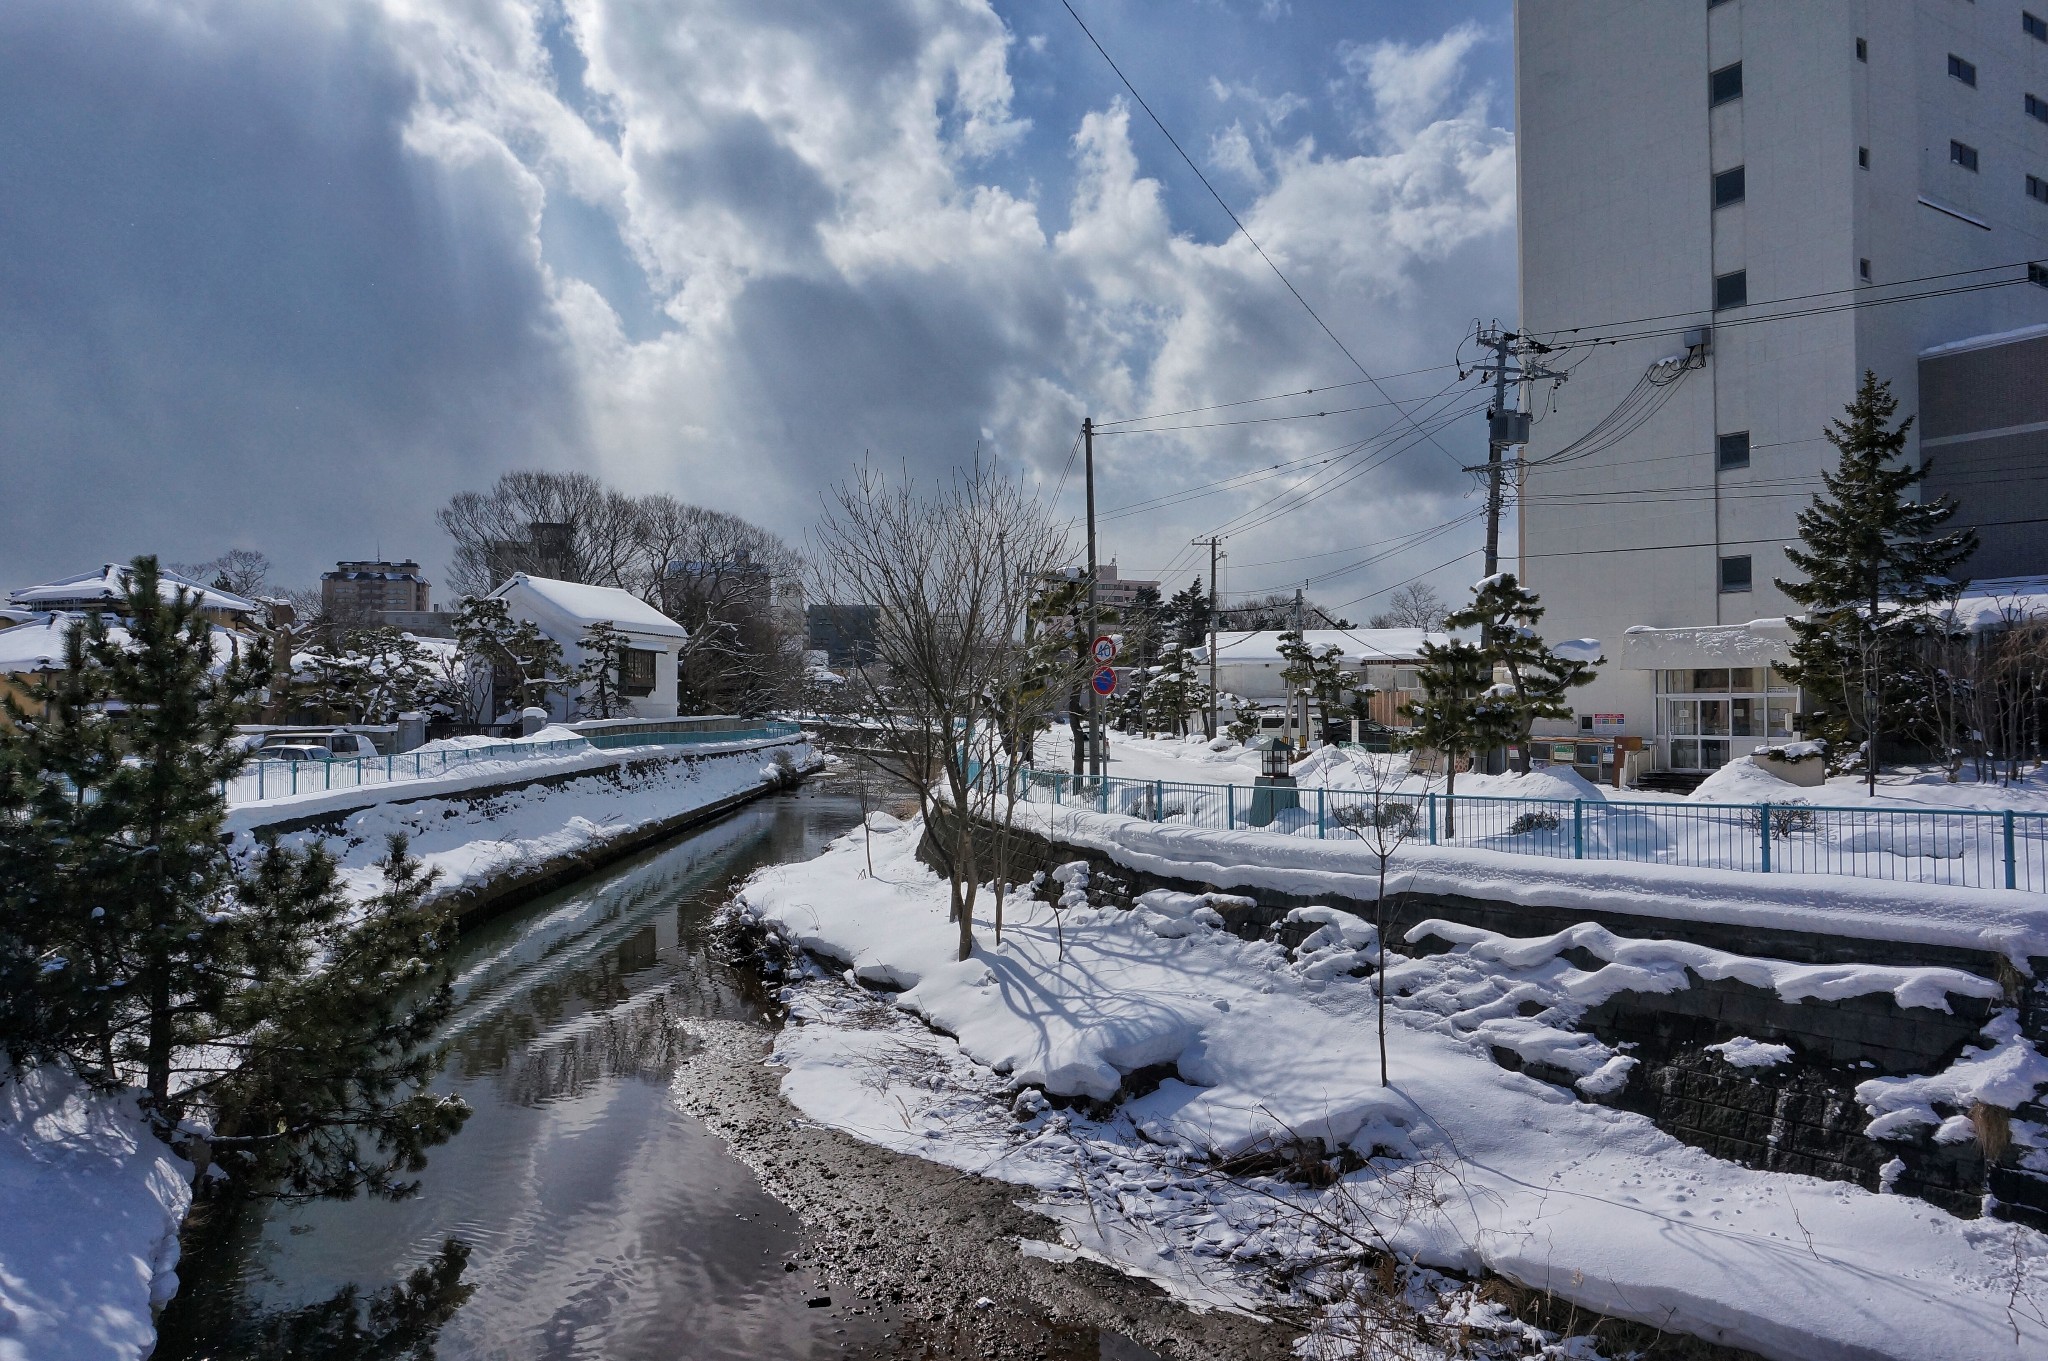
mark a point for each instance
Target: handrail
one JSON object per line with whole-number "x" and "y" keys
{"x": 1971, "y": 847}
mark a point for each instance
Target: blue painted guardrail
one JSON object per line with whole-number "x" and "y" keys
{"x": 1975, "y": 848}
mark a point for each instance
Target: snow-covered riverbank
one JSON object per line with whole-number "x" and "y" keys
{"x": 1180, "y": 1051}
{"x": 90, "y": 1204}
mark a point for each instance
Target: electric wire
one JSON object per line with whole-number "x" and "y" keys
{"x": 1275, "y": 397}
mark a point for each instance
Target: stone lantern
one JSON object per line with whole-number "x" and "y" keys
{"x": 1274, "y": 789}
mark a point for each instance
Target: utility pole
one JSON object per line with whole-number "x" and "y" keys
{"x": 1300, "y": 696}
{"x": 1505, "y": 426}
{"x": 1213, "y": 542}
{"x": 1094, "y": 618}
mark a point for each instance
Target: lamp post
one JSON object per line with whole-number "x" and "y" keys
{"x": 1274, "y": 789}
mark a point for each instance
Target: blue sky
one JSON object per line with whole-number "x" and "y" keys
{"x": 286, "y": 274}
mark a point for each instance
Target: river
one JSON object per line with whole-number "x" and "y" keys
{"x": 603, "y": 1221}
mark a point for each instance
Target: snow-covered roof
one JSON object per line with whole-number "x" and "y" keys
{"x": 1985, "y": 342}
{"x": 584, "y": 604}
{"x": 108, "y": 586}
{"x": 1992, "y": 603}
{"x": 1760, "y": 642}
{"x": 39, "y": 646}
{"x": 1358, "y": 646}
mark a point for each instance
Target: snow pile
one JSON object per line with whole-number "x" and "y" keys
{"x": 554, "y": 732}
{"x": 92, "y": 1202}
{"x": 1743, "y": 1052}
{"x": 2006, "y": 1074}
{"x": 1265, "y": 1059}
{"x": 1745, "y": 781}
{"x": 1544, "y": 782}
{"x": 1661, "y": 965}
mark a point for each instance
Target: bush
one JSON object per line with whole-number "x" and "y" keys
{"x": 1537, "y": 820}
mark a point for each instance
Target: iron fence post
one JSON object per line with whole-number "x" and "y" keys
{"x": 1578, "y": 829}
{"x": 1159, "y": 800}
{"x": 1764, "y": 829}
{"x": 1320, "y": 833}
{"x": 1431, "y": 797}
{"x": 1230, "y": 808}
{"x": 2012, "y": 864}
{"x": 1059, "y": 782}
{"x": 1102, "y": 793}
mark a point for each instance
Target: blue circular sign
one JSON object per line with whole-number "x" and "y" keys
{"x": 1105, "y": 681}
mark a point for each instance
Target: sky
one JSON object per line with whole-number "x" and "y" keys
{"x": 288, "y": 274}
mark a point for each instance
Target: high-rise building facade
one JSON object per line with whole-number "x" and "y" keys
{"x": 1729, "y": 210}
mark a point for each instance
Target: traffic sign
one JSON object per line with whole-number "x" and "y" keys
{"x": 1105, "y": 681}
{"x": 1105, "y": 649}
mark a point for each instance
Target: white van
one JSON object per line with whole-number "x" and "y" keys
{"x": 314, "y": 744}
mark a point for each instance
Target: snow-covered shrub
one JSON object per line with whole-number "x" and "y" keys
{"x": 1535, "y": 820}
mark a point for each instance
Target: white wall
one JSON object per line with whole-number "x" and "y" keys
{"x": 1617, "y": 147}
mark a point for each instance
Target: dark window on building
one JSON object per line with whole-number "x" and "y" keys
{"x": 1962, "y": 154}
{"x": 636, "y": 671}
{"x": 1712, "y": 3}
{"x": 1863, "y": 157}
{"x": 1965, "y": 71}
{"x": 1728, "y": 187}
{"x": 1863, "y": 269}
{"x": 2037, "y": 188}
{"x": 1725, "y": 84}
{"x": 1731, "y": 290}
{"x": 1862, "y": 49}
{"x": 2037, "y": 108}
{"x": 1732, "y": 450}
{"x": 2037, "y": 273}
{"x": 1735, "y": 573}
{"x": 2034, "y": 27}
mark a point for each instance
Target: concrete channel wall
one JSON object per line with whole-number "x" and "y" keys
{"x": 478, "y": 902}
{"x": 1802, "y": 1118}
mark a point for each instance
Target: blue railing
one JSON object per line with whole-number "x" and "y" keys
{"x": 261, "y": 780}
{"x": 1974, "y": 848}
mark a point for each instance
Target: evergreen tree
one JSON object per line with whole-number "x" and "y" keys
{"x": 597, "y": 678}
{"x": 1185, "y": 617}
{"x": 1459, "y": 711}
{"x": 140, "y": 952}
{"x": 1175, "y": 692}
{"x": 514, "y": 652}
{"x": 1540, "y": 681}
{"x": 1319, "y": 674}
{"x": 1873, "y": 560}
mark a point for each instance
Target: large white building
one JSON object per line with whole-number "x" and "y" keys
{"x": 1769, "y": 177}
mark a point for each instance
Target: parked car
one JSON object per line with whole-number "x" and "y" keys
{"x": 319, "y": 744}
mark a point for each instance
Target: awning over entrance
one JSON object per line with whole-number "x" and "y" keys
{"x": 1760, "y": 642}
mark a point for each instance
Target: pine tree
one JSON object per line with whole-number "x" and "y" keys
{"x": 1872, "y": 561}
{"x": 1318, "y": 674}
{"x": 1186, "y": 616}
{"x": 1506, "y": 614}
{"x": 597, "y": 678}
{"x": 141, "y": 952}
{"x": 1459, "y": 712}
{"x": 528, "y": 660}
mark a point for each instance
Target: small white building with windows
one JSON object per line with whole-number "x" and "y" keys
{"x": 567, "y": 610}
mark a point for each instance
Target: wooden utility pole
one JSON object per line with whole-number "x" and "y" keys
{"x": 1213, "y": 604}
{"x": 1504, "y": 426}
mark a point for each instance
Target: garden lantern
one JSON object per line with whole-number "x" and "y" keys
{"x": 1275, "y": 760}
{"x": 1274, "y": 790}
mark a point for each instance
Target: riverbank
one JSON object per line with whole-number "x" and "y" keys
{"x": 1118, "y": 1065}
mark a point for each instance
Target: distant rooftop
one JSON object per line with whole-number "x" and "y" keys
{"x": 108, "y": 586}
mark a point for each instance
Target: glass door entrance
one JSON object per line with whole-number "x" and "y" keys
{"x": 1707, "y": 716}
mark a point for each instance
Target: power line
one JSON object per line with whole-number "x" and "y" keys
{"x": 1275, "y": 397}
{"x": 1259, "y": 420}
{"x": 1235, "y": 221}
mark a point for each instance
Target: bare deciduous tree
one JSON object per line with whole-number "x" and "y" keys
{"x": 1414, "y": 606}
{"x": 951, "y": 569}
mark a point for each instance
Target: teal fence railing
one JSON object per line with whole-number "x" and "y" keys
{"x": 1973, "y": 848}
{"x": 262, "y": 779}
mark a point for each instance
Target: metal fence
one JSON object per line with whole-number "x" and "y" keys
{"x": 261, "y": 779}
{"x": 1967, "y": 847}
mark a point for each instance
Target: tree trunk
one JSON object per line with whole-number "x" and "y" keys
{"x": 1450, "y": 793}
{"x": 1380, "y": 974}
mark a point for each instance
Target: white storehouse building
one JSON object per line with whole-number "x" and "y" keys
{"x": 566, "y": 610}
{"x": 1729, "y": 209}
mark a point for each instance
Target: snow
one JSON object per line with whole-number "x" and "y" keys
{"x": 1985, "y": 341}
{"x": 109, "y": 586}
{"x": 1760, "y": 642}
{"x": 1579, "y": 649}
{"x": 2004, "y": 1074}
{"x": 586, "y": 604}
{"x": 1471, "y": 1167}
{"x": 92, "y": 1202}
{"x": 1358, "y": 646}
{"x": 1744, "y": 781}
{"x": 467, "y": 841}
{"x": 1743, "y": 1052}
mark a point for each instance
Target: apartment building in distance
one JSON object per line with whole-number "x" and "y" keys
{"x": 1729, "y": 209}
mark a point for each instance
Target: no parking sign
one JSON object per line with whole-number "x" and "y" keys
{"x": 1105, "y": 682}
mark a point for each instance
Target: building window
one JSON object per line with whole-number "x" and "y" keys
{"x": 1735, "y": 574}
{"x": 2034, "y": 27}
{"x": 1725, "y": 84}
{"x": 2037, "y": 188}
{"x": 1731, "y": 290}
{"x": 1965, "y": 71}
{"x": 1862, "y": 49}
{"x": 1728, "y": 187}
{"x": 2037, "y": 273}
{"x": 1962, "y": 154}
{"x": 1732, "y": 450}
{"x": 636, "y": 671}
{"x": 2037, "y": 108}
{"x": 1863, "y": 269}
